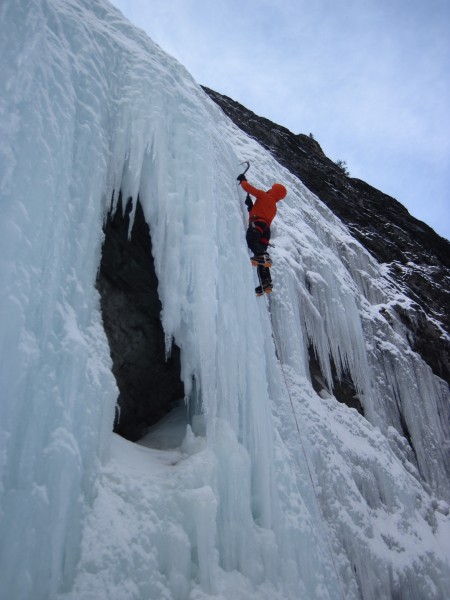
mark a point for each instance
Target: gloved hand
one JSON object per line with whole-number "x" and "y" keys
{"x": 249, "y": 203}
{"x": 241, "y": 178}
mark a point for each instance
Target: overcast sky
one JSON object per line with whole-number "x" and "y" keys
{"x": 370, "y": 79}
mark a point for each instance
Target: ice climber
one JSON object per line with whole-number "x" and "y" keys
{"x": 262, "y": 213}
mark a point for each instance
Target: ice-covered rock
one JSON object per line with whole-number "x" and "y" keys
{"x": 261, "y": 488}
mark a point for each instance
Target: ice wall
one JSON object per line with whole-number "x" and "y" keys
{"x": 56, "y": 386}
{"x": 277, "y": 493}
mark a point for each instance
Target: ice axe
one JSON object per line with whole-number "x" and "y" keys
{"x": 246, "y": 162}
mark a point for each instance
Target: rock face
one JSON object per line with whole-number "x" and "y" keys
{"x": 418, "y": 259}
{"x": 149, "y": 385}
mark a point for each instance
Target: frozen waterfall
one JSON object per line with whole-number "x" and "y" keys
{"x": 266, "y": 488}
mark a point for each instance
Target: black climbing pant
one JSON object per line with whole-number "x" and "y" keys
{"x": 258, "y": 236}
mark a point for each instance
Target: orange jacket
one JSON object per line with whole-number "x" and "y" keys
{"x": 265, "y": 207}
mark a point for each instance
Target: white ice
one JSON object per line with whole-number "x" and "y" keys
{"x": 266, "y": 490}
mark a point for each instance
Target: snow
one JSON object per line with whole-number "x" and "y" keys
{"x": 261, "y": 488}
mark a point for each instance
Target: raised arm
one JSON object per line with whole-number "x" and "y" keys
{"x": 250, "y": 189}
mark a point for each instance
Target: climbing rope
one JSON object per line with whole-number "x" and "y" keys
{"x": 307, "y": 462}
{"x": 278, "y": 354}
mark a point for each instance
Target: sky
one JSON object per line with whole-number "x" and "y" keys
{"x": 370, "y": 79}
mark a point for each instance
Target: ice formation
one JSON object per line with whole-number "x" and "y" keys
{"x": 263, "y": 489}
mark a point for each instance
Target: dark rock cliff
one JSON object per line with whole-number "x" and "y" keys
{"x": 418, "y": 259}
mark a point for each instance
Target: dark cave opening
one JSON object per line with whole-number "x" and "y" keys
{"x": 149, "y": 383}
{"x": 343, "y": 387}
